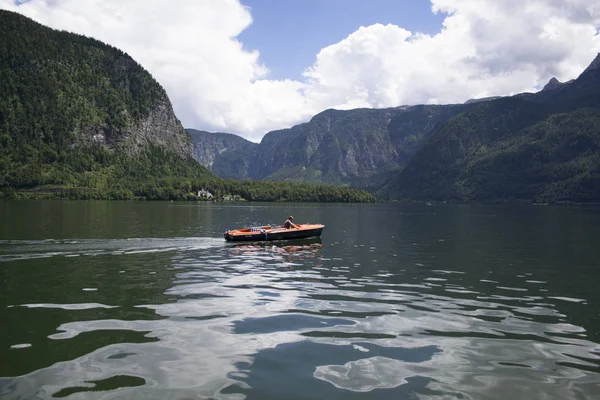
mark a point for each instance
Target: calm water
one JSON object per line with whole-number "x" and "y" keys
{"x": 147, "y": 300}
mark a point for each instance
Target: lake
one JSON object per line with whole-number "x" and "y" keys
{"x": 106, "y": 300}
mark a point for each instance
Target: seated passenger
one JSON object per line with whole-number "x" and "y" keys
{"x": 289, "y": 223}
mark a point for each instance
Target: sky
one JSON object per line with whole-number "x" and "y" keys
{"x": 251, "y": 66}
{"x": 288, "y": 45}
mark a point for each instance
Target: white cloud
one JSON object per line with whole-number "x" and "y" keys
{"x": 494, "y": 47}
{"x": 485, "y": 48}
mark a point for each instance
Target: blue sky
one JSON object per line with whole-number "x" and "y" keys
{"x": 289, "y": 33}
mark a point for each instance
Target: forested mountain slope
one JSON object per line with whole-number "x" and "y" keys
{"x": 542, "y": 147}
{"x": 82, "y": 119}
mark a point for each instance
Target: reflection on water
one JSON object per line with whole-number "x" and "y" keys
{"x": 422, "y": 310}
{"x": 291, "y": 250}
{"x": 114, "y": 382}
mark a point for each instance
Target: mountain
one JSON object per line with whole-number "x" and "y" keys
{"x": 333, "y": 147}
{"x": 530, "y": 147}
{"x": 225, "y": 154}
{"x": 360, "y": 147}
{"x": 552, "y": 84}
{"x": 81, "y": 119}
{"x": 82, "y": 116}
{"x": 81, "y": 88}
{"x": 542, "y": 147}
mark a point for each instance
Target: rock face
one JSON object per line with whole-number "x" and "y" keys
{"x": 93, "y": 93}
{"x": 334, "y": 147}
{"x": 161, "y": 127}
{"x": 359, "y": 147}
{"x": 158, "y": 126}
{"x": 225, "y": 154}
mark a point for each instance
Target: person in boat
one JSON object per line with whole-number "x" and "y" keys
{"x": 289, "y": 223}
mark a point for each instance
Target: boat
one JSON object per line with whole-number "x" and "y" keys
{"x": 277, "y": 232}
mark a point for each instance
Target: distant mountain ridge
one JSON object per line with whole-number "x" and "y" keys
{"x": 359, "y": 147}
{"x": 431, "y": 152}
{"x": 541, "y": 147}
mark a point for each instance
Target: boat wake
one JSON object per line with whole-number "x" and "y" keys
{"x": 11, "y": 250}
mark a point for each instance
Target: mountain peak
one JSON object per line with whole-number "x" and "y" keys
{"x": 552, "y": 84}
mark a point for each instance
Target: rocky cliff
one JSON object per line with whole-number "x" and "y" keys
{"x": 59, "y": 87}
{"x": 359, "y": 147}
{"x": 227, "y": 155}
{"x": 81, "y": 115}
{"x": 334, "y": 147}
{"x": 160, "y": 127}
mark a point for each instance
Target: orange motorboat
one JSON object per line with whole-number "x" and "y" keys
{"x": 279, "y": 232}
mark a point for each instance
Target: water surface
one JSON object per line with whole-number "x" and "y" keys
{"x": 146, "y": 300}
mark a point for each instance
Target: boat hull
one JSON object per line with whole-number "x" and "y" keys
{"x": 273, "y": 234}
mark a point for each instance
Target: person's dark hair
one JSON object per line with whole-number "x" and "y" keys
{"x": 291, "y": 218}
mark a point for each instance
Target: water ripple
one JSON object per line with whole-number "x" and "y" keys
{"x": 280, "y": 321}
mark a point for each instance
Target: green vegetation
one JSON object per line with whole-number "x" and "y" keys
{"x": 476, "y": 157}
{"x": 533, "y": 148}
{"x": 554, "y": 161}
{"x": 57, "y": 87}
{"x": 152, "y": 174}
{"x": 285, "y": 191}
{"x": 98, "y": 173}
